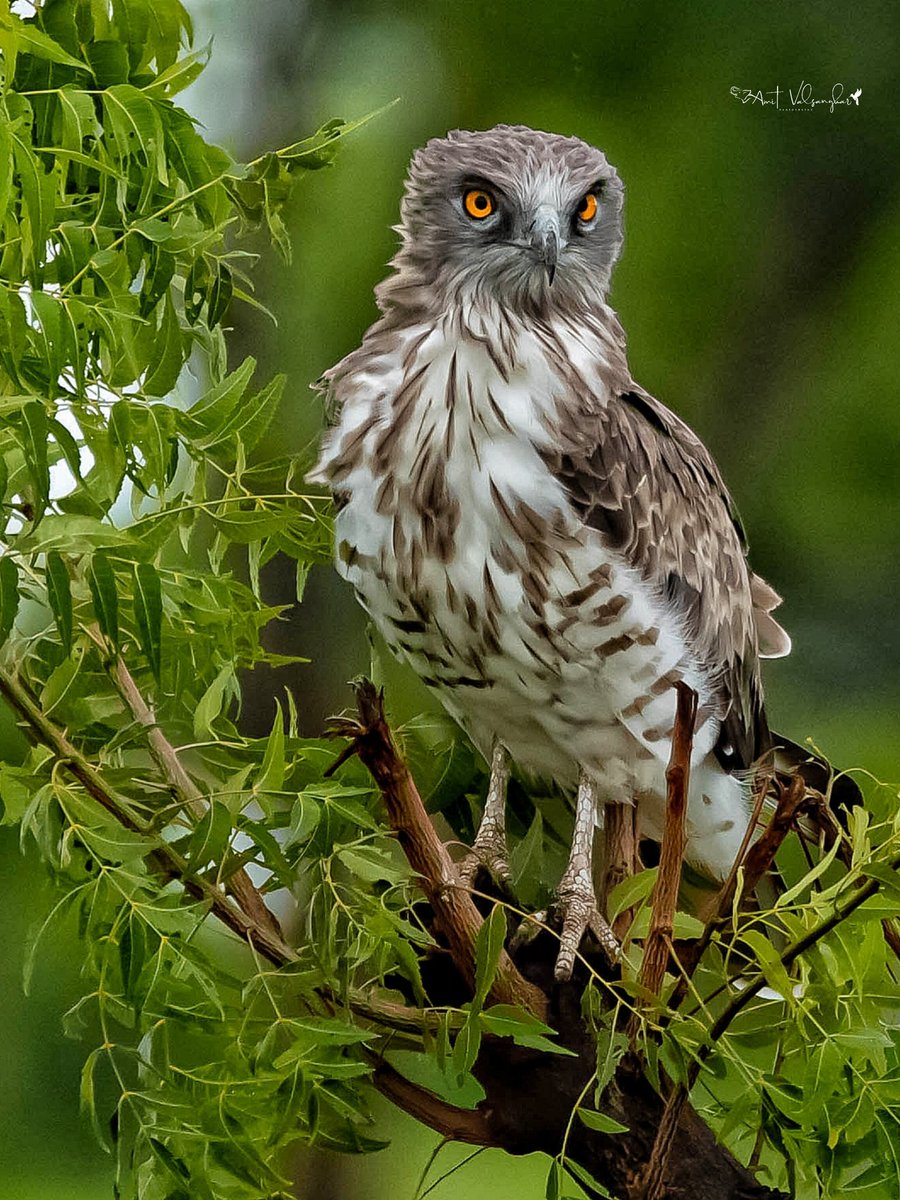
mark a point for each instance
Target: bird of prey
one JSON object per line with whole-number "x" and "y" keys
{"x": 549, "y": 546}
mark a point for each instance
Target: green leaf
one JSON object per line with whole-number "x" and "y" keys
{"x": 466, "y": 1046}
{"x": 770, "y": 963}
{"x": 503, "y": 1020}
{"x": 73, "y": 534}
{"x": 219, "y": 295}
{"x": 552, "y": 1189}
{"x": 180, "y": 74}
{"x": 34, "y": 418}
{"x": 87, "y": 1095}
{"x": 686, "y": 925}
{"x": 59, "y": 594}
{"x": 305, "y": 815}
{"x": 148, "y": 614}
{"x": 38, "y": 194}
{"x": 526, "y": 861}
{"x": 271, "y": 771}
{"x": 488, "y": 947}
{"x": 77, "y": 120}
{"x": 211, "y": 836}
{"x": 805, "y": 884}
{"x": 68, "y": 446}
{"x": 58, "y": 684}
{"x": 132, "y": 955}
{"x": 211, "y": 702}
{"x": 168, "y": 353}
{"x": 350, "y": 810}
{"x": 631, "y": 891}
{"x": 370, "y": 864}
{"x": 108, "y": 61}
{"x": 253, "y": 418}
{"x": 173, "y": 1164}
{"x": 33, "y": 41}
{"x": 52, "y": 335}
{"x": 205, "y": 418}
{"x": 6, "y": 169}
{"x": 591, "y": 1185}
{"x": 102, "y": 582}
{"x": 601, "y": 1122}
{"x": 9, "y": 596}
{"x": 132, "y": 19}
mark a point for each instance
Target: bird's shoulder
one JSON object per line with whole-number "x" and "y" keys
{"x": 645, "y": 482}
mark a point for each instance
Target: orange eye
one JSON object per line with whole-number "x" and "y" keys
{"x": 588, "y": 209}
{"x": 478, "y": 204}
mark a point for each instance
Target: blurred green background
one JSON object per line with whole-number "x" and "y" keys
{"x": 759, "y": 288}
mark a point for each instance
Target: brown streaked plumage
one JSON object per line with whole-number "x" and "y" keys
{"x": 554, "y": 548}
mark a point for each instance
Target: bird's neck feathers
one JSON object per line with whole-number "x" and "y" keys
{"x": 566, "y": 326}
{"x": 423, "y": 385}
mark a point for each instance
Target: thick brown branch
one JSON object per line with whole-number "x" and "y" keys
{"x": 458, "y": 1124}
{"x": 456, "y": 918}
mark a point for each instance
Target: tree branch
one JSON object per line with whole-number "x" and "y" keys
{"x": 665, "y": 892}
{"x": 762, "y": 853}
{"x": 456, "y": 918}
{"x": 239, "y": 885}
{"x": 530, "y": 1094}
{"x": 457, "y": 1124}
{"x": 166, "y": 859}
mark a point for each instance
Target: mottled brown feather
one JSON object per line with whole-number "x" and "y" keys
{"x": 649, "y": 486}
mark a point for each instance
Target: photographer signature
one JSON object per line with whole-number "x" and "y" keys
{"x": 796, "y": 99}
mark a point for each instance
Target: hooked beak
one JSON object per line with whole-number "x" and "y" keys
{"x": 545, "y": 240}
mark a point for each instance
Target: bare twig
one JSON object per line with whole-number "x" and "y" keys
{"x": 651, "y": 1183}
{"x": 239, "y": 885}
{"x": 664, "y": 900}
{"x": 455, "y": 916}
{"x": 762, "y": 853}
{"x": 723, "y": 901}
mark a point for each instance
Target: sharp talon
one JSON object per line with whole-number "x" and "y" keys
{"x": 604, "y": 934}
{"x": 489, "y": 858}
{"x": 580, "y": 913}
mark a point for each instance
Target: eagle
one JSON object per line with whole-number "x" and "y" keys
{"x": 550, "y": 547}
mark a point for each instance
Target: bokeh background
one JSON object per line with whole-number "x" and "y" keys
{"x": 759, "y": 288}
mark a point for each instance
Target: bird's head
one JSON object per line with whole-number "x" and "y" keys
{"x": 513, "y": 215}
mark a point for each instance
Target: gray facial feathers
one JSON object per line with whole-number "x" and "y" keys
{"x": 532, "y": 250}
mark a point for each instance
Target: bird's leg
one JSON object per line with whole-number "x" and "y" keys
{"x": 577, "y": 901}
{"x": 489, "y": 848}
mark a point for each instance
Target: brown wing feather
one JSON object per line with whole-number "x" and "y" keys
{"x": 651, "y": 488}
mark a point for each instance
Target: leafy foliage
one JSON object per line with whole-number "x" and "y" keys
{"x": 131, "y": 508}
